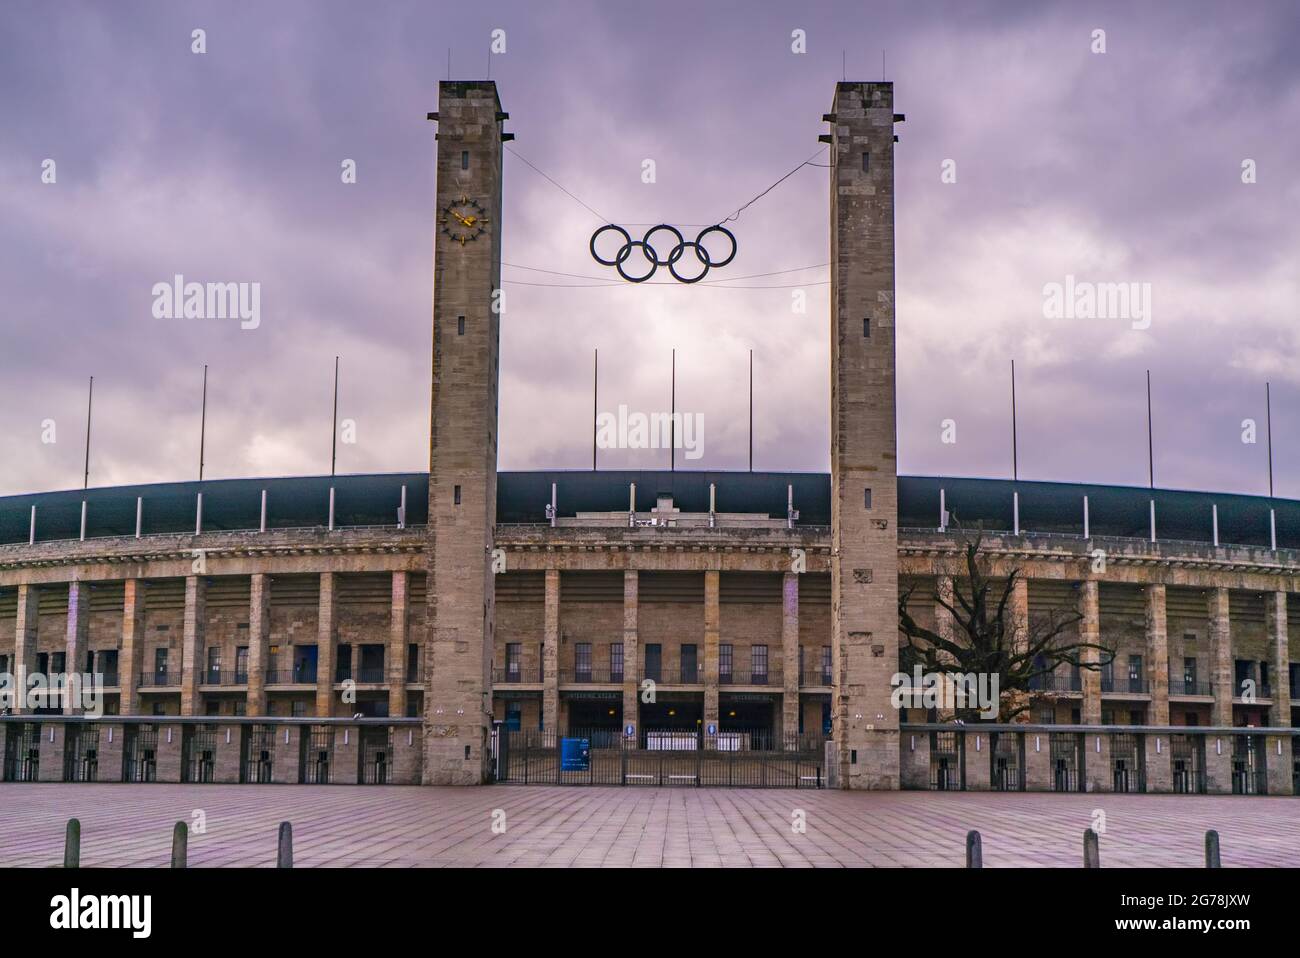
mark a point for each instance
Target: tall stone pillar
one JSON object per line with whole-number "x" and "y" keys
{"x": 631, "y": 652}
{"x": 1221, "y": 676}
{"x": 76, "y": 640}
{"x": 790, "y": 654}
{"x": 259, "y": 641}
{"x": 192, "y": 640}
{"x": 1275, "y": 614}
{"x": 327, "y": 644}
{"x": 1020, "y": 613}
{"x": 712, "y": 634}
{"x": 1090, "y": 633}
{"x": 399, "y": 630}
{"x": 1157, "y": 656}
{"x": 467, "y": 302}
{"x": 864, "y": 469}
{"x": 943, "y": 624}
{"x": 131, "y": 663}
{"x": 551, "y": 653}
{"x": 25, "y": 638}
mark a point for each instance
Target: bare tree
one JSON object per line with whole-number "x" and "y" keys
{"x": 984, "y": 640}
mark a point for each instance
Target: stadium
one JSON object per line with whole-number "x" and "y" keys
{"x": 465, "y": 625}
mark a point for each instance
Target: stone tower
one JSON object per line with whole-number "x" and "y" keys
{"x": 864, "y": 476}
{"x": 463, "y": 440}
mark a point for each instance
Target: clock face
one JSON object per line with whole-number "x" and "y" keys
{"x": 464, "y": 220}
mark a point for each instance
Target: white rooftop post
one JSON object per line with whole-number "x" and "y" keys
{"x": 31, "y": 535}
{"x": 713, "y": 500}
{"x": 331, "y": 508}
{"x": 1087, "y": 533}
{"x": 790, "y": 513}
{"x": 262, "y": 525}
{"x": 1214, "y": 516}
{"x": 1153, "y": 520}
{"x": 198, "y": 515}
{"x": 631, "y": 505}
{"x": 1015, "y": 512}
{"x": 139, "y": 515}
{"x": 943, "y": 511}
{"x": 401, "y": 509}
{"x": 1272, "y": 527}
{"x": 552, "y": 510}
{"x": 83, "y": 520}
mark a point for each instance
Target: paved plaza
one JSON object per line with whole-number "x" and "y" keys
{"x": 130, "y": 825}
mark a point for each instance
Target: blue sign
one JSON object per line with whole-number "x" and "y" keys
{"x": 575, "y": 754}
{"x": 713, "y": 730}
{"x": 630, "y": 731}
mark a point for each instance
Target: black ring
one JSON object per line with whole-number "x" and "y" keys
{"x": 610, "y": 262}
{"x": 717, "y": 229}
{"x": 626, "y": 252}
{"x": 700, "y": 253}
{"x": 655, "y": 229}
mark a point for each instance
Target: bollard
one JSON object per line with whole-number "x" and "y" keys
{"x": 72, "y": 844}
{"x": 974, "y": 850}
{"x": 1212, "y": 849}
{"x": 1091, "y": 851}
{"x": 284, "y": 856}
{"x": 180, "y": 844}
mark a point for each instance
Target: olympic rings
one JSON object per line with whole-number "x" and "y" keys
{"x": 655, "y": 260}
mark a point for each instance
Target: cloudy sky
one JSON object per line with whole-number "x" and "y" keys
{"x": 225, "y": 166}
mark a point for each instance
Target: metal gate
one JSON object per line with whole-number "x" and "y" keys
{"x": 1187, "y": 760}
{"x": 1127, "y": 763}
{"x": 376, "y": 755}
{"x": 140, "y": 753}
{"x": 1249, "y": 776}
{"x": 1067, "y": 762}
{"x": 947, "y": 762}
{"x": 23, "y": 752}
{"x": 315, "y": 751}
{"x": 80, "y": 753}
{"x": 257, "y": 747}
{"x": 1008, "y": 757}
{"x": 659, "y": 758}
{"x": 198, "y": 752}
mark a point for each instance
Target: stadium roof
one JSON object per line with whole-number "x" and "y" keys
{"x": 360, "y": 500}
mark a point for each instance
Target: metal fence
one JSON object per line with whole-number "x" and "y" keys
{"x": 660, "y": 757}
{"x": 315, "y": 749}
{"x": 23, "y": 753}
{"x": 947, "y": 762}
{"x": 140, "y": 753}
{"x": 198, "y": 753}
{"x": 81, "y": 753}
{"x": 1128, "y": 763}
{"x": 1187, "y": 761}
{"x": 1067, "y": 762}
{"x": 257, "y": 748}
{"x": 1007, "y": 753}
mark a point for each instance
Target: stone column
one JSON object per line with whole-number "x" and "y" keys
{"x": 1159, "y": 770}
{"x": 551, "y": 653}
{"x": 712, "y": 633}
{"x": 943, "y": 624}
{"x": 631, "y": 651}
{"x": 1218, "y": 764}
{"x": 914, "y": 760}
{"x": 1221, "y": 675}
{"x": 1277, "y": 764}
{"x": 790, "y": 654}
{"x": 196, "y": 596}
{"x": 1020, "y": 613}
{"x": 259, "y": 641}
{"x": 1279, "y": 713}
{"x": 25, "y": 638}
{"x": 1038, "y": 762}
{"x": 131, "y": 662}
{"x": 327, "y": 644}
{"x": 75, "y": 641}
{"x": 1157, "y": 656}
{"x": 398, "y": 634}
{"x": 1096, "y": 763}
{"x": 1090, "y": 632}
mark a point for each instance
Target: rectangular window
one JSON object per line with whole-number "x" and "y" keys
{"x": 58, "y": 663}
{"x": 1108, "y": 677}
{"x": 214, "y": 662}
{"x": 512, "y": 661}
{"x": 616, "y": 661}
{"x": 241, "y": 707}
{"x": 460, "y": 325}
{"x": 464, "y": 159}
{"x": 758, "y": 658}
{"x": 866, "y": 162}
{"x": 413, "y": 662}
{"x": 298, "y": 709}
{"x": 582, "y": 661}
{"x": 456, "y": 495}
{"x": 160, "y": 661}
{"x": 724, "y": 662}
{"x": 653, "y": 662}
{"x": 241, "y": 664}
{"x": 826, "y": 665}
{"x": 1135, "y": 673}
{"x": 866, "y": 498}
{"x": 866, "y": 329}
{"x": 690, "y": 669}
{"x": 1189, "y": 677}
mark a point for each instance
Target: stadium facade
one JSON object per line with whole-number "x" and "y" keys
{"x": 458, "y": 626}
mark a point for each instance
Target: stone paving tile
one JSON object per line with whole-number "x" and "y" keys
{"x": 556, "y": 826}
